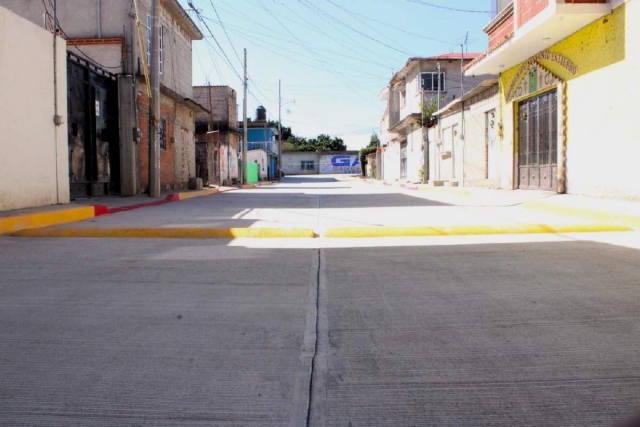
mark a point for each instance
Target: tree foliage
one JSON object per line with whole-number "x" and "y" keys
{"x": 321, "y": 143}
{"x": 428, "y": 109}
{"x": 374, "y": 142}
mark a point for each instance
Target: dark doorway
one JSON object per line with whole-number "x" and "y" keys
{"x": 94, "y": 151}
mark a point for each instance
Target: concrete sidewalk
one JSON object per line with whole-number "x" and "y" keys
{"x": 613, "y": 211}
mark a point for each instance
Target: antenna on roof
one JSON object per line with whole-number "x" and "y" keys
{"x": 466, "y": 41}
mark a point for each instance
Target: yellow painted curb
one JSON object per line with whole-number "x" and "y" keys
{"x": 584, "y": 213}
{"x": 467, "y": 230}
{"x": 246, "y": 186}
{"x": 170, "y": 233}
{"x": 451, "y": 190}
{"x": 192, "y": 194}
{"x": 45, "y": 219}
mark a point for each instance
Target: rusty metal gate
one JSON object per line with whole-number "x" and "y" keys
{"x": 538, "y": 142}
{"x": 94, "y": 152}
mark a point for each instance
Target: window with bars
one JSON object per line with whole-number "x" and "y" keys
{"x": 429, "y": 82}
{"x": 162, "y": 134}
{"x": 307, "y": 165}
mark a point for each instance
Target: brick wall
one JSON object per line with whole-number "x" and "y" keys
{"x": 166, "y": 155}
{"x": 528, "y": 9}
{"x": 502, "y": 31}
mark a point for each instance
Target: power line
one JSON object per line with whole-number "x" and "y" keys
{"x": 225, "y": 32}
{"x": 311, "y": 5}
{"x": 197, "y": 12}
{"x": 454, "y": 9}
{"x": 350, "y": 12}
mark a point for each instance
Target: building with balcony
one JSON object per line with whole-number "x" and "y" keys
{"x": 264, "y": 136}
{"x": 429, "y": 81}
{"x": 567, "y": 72}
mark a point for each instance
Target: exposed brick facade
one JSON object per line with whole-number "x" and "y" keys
{"x": 177, "y": 159}
{"x": 528, "y": 9}
{"x": 502, "y": 31}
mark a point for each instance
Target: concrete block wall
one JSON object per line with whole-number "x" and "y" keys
{"x": 292, "y": 160}
{"x": 222, "y": 105}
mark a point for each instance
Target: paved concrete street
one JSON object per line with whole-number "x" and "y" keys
{"x": 507, "y": 330}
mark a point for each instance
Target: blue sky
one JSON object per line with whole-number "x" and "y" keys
{"x": 333, "y": 56}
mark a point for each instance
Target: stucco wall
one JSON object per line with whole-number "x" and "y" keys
{"x": 602, "y": 138}
{"x": 391, "y": 162}
{"x": 291, "y": 162}
{"x": 481, "y": 160}
{"x": 259, "y": 157}
{"x": 34, "y": 167}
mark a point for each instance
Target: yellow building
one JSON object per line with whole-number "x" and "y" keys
{"x": 568, "y": 81}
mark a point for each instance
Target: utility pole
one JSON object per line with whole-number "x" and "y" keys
{"x": 462, "y": 68}
{"x": 438, "y": 116}
{"x": 243, "y": 174}
{"x": 279, "y": 128}
{"x": 154, "y": 106}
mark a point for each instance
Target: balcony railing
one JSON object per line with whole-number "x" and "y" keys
{"x": 268, "y": 146}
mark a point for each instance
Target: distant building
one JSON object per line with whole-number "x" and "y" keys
{"x": 429, "y": 81}
{"x": 217, "y": 135}
{"x": 321, "y": 162}
{"x": 261, "y": 135}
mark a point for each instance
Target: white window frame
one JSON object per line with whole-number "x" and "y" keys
{"x": 307, "y": 165}
{"x": 149, "y": 24}
{"x": 443, "y": 80}
{"x": 403, "y": 98}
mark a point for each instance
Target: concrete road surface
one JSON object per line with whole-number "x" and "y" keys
{"x": 443, "y": 331}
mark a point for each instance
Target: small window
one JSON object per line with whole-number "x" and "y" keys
{"x": 429, "y": 82}
{"x": 403, "y": 98}
{"x": 307, "y": 165}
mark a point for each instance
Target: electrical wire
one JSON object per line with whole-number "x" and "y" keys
{"x": 322, "y": 12}
{"x": 454, "y": 9}
{"x": 56, "y": 25}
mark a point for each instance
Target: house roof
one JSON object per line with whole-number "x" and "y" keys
{"x": 457, "y": 55}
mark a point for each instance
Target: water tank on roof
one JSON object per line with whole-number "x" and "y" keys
{"x": 261, "y": 113}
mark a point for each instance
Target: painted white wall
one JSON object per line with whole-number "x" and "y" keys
{"x": 34, "y": 165}
{"x": 475, "y": 167}
{"x": 391, "y": 162}
{"x": 603, "y": 148}
{"x": 259, "y": 157}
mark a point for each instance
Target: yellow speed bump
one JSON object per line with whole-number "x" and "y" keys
{"x": 469, "y": 230}
{"x": 584, "y": 213}
{"x": 170, "y": 233}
